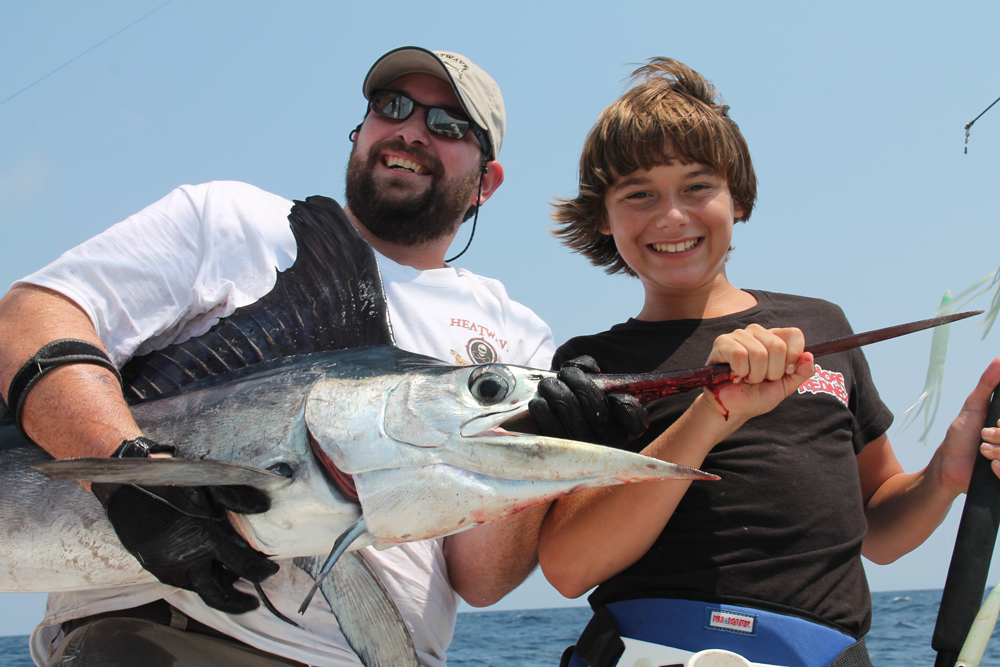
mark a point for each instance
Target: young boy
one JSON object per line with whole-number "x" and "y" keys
{"x": 765, "y": 563}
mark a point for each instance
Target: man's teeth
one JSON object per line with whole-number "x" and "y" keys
{"x": 675, "y": 247}
{"x": 394, "y": 162}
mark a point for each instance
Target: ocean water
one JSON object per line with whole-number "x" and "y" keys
{"x": 902, "y": 626}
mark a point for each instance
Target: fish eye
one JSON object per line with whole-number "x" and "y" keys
{"x": 491, "y": 383}
{"x": 281, "y": 468}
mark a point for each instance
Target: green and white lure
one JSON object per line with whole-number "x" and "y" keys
{"x": 930, "y": 397}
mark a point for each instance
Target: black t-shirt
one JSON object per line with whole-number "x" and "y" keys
{"x": 783, "y": 527}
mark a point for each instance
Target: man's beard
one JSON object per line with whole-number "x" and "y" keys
{"x": 407, "y": 219}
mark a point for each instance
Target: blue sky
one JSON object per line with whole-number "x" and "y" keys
{"x": 854, "y": 113}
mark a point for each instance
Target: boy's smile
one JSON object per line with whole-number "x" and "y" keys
{"x": 676, "y": 247}
{"x": 673, "y": 225}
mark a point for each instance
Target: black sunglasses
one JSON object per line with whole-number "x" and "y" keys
{"x": 397, "y": 106}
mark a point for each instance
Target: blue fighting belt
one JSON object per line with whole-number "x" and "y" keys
{"x": 669, "y": 631}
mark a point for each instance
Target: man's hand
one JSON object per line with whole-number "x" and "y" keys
{"x": 571, "y": 406}
{"x": 181, "y": 534}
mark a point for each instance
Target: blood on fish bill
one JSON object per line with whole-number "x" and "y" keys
{"x": 651, "y": 386}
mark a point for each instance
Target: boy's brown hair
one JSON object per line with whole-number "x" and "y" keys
{"x": 670, "y": 113}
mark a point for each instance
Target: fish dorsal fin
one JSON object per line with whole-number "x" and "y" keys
{"x": 331, "y": 298}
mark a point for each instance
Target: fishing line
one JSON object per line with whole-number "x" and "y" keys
{"x": 968, "y": 126}
{"x": 88, "y": 51}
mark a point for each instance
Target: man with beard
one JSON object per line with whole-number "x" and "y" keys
{"x": 422, "y": 161}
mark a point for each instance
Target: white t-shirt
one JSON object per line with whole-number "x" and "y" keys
{"x": 169, "y": 273}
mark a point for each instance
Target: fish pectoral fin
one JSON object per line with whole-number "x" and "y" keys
{"x": 160, "y": 472}
{"x": 367, "y": 615}
{"x": 340, "y": 546}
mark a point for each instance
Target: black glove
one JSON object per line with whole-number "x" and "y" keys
{"x": 181, "y": 534}
{"x": 571, "y": 406}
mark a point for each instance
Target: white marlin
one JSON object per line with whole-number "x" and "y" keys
{"x": 407, "y": 444}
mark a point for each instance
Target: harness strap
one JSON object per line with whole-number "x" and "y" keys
{"x": 47, "y": 358}
{"x": 855, "y": 655}
{"x": 600, "y": 645}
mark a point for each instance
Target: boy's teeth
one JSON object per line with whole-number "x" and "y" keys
{"x": 394, "y": 162}
{"x": 675, "y": 247}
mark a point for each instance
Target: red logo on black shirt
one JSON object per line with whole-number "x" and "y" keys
{"x": 826, "y": 382}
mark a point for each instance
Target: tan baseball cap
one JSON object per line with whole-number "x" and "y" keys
{"x": 476, "y": 90}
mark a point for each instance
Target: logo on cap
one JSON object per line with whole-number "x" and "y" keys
{"x": 459, "y": 66}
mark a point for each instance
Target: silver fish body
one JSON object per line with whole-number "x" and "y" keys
{"x": 422, "y": 442}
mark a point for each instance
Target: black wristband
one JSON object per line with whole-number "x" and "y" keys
{"x": 48, "y": 357}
